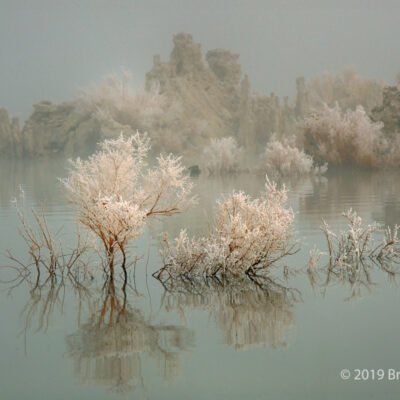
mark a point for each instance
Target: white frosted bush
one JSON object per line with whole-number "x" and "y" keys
{"x": 354, "y": 253}
{"x": 222, "y": 156}
{"x": 116, "y": 99}
{"x": 246, "y": 236}
{"x": 357, "y": 243}
{"x": 344, "y": 138}
{"x": 285, "y": 159}
{"x": 115, "y": 193}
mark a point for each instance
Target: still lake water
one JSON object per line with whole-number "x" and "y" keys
{"x": 58, "y": 342}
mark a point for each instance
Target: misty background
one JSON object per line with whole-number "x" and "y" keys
{"x": 50, "y": 48}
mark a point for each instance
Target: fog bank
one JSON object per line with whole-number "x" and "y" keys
{"x": 49, "y": 49}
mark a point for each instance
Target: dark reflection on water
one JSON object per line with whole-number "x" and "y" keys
{"x": 358, "y": 280}
{"x": 247, "y": 311}
{"x": 47, "y": 299}
{"x": 112, "y": 335}
{"x": 107, "y": 349}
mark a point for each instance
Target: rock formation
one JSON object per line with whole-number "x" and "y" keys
{"x": 199, "y": 100}
{"x": 196, "y": 99}
{"x": 216, "y": 93}
{"x": 203, "y": 95}
{"x": 225, "y": 66}
{"x": 64, "y": 129}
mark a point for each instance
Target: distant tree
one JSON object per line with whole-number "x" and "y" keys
{"x": 283, "y": 158}
{"x": 347, "y": 89}
{"x": 341, "y": 138}
{"x": 222, "y": 156}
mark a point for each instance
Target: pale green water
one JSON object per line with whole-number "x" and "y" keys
{"x": 216, "y": 346}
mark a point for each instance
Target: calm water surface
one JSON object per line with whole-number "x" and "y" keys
{"x": 213, "y": 342}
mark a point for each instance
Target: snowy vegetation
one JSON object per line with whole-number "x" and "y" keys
{"x": 246, "y": 236}
{"x": 347, "y": 89}
{"x": 354, "y": 253}
{"x": 339, "y": 131}
{"x": 114, "y": 193}
{"x": 344, "y": 138}
{"x": 222, "y": 156}
{"x": 357, "y": 243}
{"x": 283, "y": 158}
{"x": 45, "y": 247}
{"x": 116, "y": 100}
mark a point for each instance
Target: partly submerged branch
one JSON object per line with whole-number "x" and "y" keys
{"x": 354, "y": 254}
{"x": 45, "y": 248}
{"x": 358, "y": 243}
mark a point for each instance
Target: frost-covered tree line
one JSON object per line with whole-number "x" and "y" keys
{"x": 332, "y": 126}
{"x": 332, "y": 121}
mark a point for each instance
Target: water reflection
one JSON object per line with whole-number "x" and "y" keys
{"x": 375, "y": 195}
{"x": 357, "y": 279}
{"x": 109, "y": 346}
{"x": 114, "y": 343}
{"x": 40, "y": 177}
{"x": 107, "y": 349}
{"x": 48, "y": 298}
{"x": 248, "y": 312}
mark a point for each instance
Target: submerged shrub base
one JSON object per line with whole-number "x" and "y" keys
{"x": 247, "y": 236}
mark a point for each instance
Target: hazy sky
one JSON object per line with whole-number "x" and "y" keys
{"x": 49, "y": 48}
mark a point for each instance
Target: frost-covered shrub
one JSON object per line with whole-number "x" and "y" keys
{"x": 285, "y": 159}
{"x": 354, "y": 253}
{"x": 341, "y": 138}
{"x": 246, "y": 236}
{"x": 116, "y": 99}
{"x": 222, "y": 156}
{"x": 357, "y": 242}
{"x": 114, "y": 193}
{"x": 347, "y": 89}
